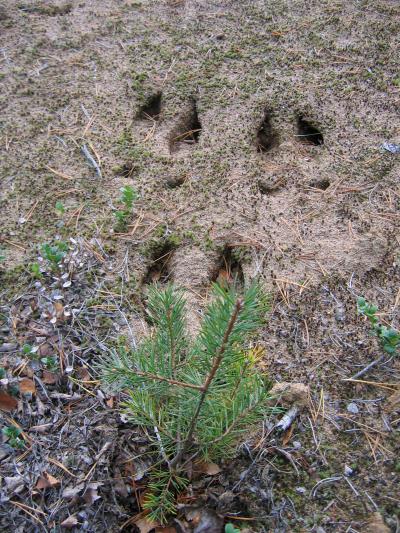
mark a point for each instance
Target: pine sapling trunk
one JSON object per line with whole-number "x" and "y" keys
{"x": 205, "y": 387}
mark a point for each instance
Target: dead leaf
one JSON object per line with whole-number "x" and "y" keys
{"x": 41, "y": 428}
{"x": 7, "y": 403}
{"x": 155, "y": 276}
{"x": 287, "y": 435}
{"x": 49, "y": 377}
{"x": 46, "y": 350}
{"x": 40, "y": 406}
{"x": 224, "y": 277}
{"x": 14, "y": 484}
{"x": 204, "y": 520}
{"x": 8, "y": 347}
{"x": 91, "y": 494}
{"x": 27, "y": 386}
{"x": 47, "y": 481}
{"x": 210, "y": 469}
{"x": 393, "y": 402}
{"x": 58, "y": 306}
{"x": 376, "y": 524}
{"x": 28, "y": 372}
{"x": 145, "y": 525}
{"x": 70, "y": 522}
{"x": 83, "y": 373}
{"x": 72, "y": 492}
{"x": 110, "y": 402}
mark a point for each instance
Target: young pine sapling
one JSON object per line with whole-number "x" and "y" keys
{"x": 194, "y": 397}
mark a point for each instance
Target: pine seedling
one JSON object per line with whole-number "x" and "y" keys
{"x": 194, "y": 398}
{"x": 128, "y": 196}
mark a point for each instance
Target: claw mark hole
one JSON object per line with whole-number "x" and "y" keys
{"x": 126, "y": 170}
{"x": 151, "y": 109}
{"x": 159, "y": 268}
{"x": 176, "y": 181}
{"x": 188, "y": 130}
{"x": 322, "y": 185}
{"x": 307, "y": 133}
{"x": 49, "y": 10}
{"x": 266, "y": 138}
{"x": 229, "y": 271}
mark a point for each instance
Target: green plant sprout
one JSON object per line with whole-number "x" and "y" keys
{"x": 35, "y": 271}
{"x": 55, "y": 253}
{"x": 50, "y": 363}
{"x": 59, "y": 208}
{"x": 2, "y": 372}
{"x": 388, "y": 337}
{"x": 2, "y": 255}
{"x": 12, "y": 433}
{"x": 230, "y": 528}
{"x": 195, "y": 398}
{"x": 27, "y": 349}
{"x": 128, "y": 196}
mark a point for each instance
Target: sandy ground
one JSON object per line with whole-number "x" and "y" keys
{"x": 253, "y": 132}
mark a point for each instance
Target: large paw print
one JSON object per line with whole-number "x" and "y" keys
{"x": 277, "y": 213}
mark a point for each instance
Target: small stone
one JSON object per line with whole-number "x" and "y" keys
{"x": 347, "y": 470}
{"x": 301, "y": 490}
{"x": 5, "y": 450}
{"x": 352, "y": 408}
{"x": 8, "y": 347}
{"x": 340, "y": 313}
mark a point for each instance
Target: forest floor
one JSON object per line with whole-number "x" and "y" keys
{"x": 254, "y": 132}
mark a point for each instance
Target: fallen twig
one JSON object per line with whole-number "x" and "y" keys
{"x": 287, "y": 419}
{"x": 91, "y": 160}
{"x": 368, "y": 367}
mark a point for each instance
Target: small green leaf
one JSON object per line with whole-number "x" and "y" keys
{"x": 35, "y": 270}
{"x": 50, "y": 363}
{"x": 230, "y": 528}
{"x": 54, "y": 253}
{"x": 12, "y": 433}
{"x": 60, "y": 209}
{"x": 27, "y": 349}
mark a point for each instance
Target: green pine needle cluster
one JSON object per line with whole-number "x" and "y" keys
{"x": 128, "y": 196}
{"x": 194, "y": 397}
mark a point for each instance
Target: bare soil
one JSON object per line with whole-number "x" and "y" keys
{"x": 253, "y": 132}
